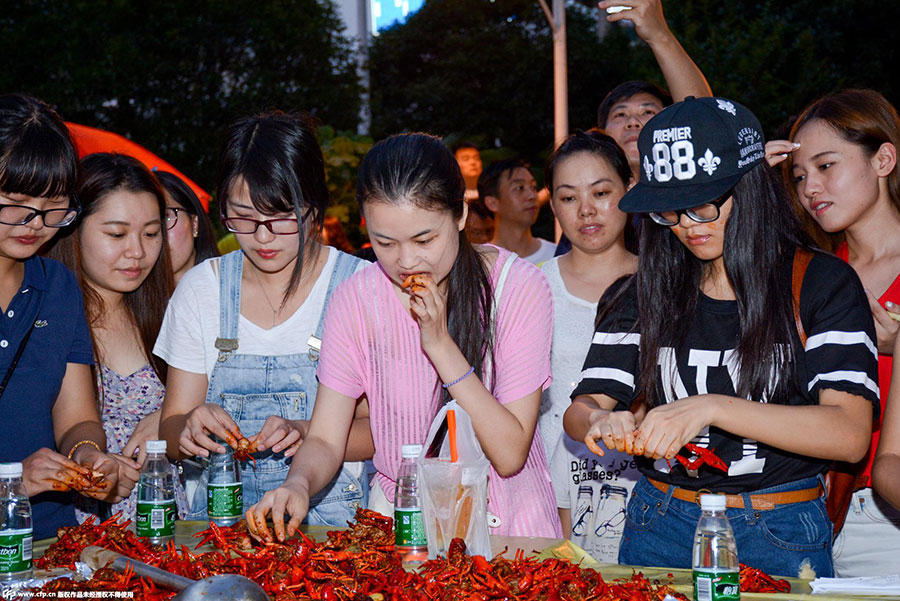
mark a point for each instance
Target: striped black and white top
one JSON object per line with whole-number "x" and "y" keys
{"x": 840, "y": 354}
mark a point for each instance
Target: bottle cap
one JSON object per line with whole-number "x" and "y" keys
{"x": 156, "y": 446}
{"x": 712, "y": 502}
{"x": 410, "y": 451}
{"x": 10, "y": 470}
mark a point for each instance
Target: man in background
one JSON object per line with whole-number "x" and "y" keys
{"x": 509, "y": 190}
{"x": 469, "y": 160}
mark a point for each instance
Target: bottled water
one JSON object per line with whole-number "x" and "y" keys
{"x": 156, "y": 496}
{"x": 15, "y": 525}
{"x": 224, "y": 491}
{"x": 409, "y": 528}
{"x": 715, "y": 563}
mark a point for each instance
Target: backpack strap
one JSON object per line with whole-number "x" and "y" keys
{"x": 802, "y": 257}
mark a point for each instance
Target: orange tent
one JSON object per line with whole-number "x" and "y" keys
{"x": 89, "y": 140}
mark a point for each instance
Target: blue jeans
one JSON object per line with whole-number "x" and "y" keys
{"x": 659, "y": 531}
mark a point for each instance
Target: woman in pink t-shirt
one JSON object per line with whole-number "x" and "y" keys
{"x": 408, "y": 350}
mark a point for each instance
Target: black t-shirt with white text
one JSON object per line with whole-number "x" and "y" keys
{"x": 840, "y": 354}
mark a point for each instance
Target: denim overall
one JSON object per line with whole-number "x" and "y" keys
{"x": 252, "y": 387}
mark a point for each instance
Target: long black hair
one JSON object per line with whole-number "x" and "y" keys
{"x": 419, "y": 169}
{"x": 279, "y": 158}
{"x": 37, "y": 156}
{"x": 761, "y": 234}
{"x": 205, "y": 241}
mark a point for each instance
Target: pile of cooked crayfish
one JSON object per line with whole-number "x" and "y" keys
{"x": 356, "y": 564}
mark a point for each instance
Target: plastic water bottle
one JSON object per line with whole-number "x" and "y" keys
{"x": 156, "y": 496}
{"x": 224, "y": 491}
{"x": 15, "y": 525}
{"x": 716, "y": 569}
{"x": 409, "y": 529}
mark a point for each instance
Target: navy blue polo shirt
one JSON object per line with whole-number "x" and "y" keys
{"x": 49, "y": 301}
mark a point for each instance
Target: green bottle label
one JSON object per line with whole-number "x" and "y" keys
{"x": 15, "y": 550}
{"x": 225, "y": 500}
{"x": 409, "y": 529}
{"x": 155, "y": 518}
{"x": 712, "y": 585}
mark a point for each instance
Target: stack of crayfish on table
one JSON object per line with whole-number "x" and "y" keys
{"x": 357, "y": 564}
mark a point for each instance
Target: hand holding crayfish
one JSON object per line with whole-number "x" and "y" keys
{"x": 290, "y": 498}
{"x": 44, "y": 467}
{"x": 660, "y": 433}
{"x": 668, "y": 427}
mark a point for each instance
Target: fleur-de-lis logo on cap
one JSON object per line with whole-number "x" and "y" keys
{"x": 709, "y": 162}
{"x": 648, "y": 168}
{"x": 726, "y": 106}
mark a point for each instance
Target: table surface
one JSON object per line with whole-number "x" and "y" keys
{"x": 542, "y": 548}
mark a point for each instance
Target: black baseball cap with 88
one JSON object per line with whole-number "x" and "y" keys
{"x": 693, "y": 152}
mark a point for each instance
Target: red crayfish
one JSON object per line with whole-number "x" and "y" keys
{"x": 701, "y": 456}
{"x": 754, "y": 580}
{"x": 243, "y": 447}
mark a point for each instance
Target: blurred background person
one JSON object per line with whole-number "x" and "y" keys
{"x": 509, "y": 190}
{"x": 470, "y": 166}
{"x": 479, "y": 223}
{"x": 333, "y": 235}
{"x": 191, "y": 237}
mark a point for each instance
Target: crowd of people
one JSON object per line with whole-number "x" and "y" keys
{"x": 710, "y": 289}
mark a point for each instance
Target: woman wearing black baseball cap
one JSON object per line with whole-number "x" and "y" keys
{"x": 706, "y": 341}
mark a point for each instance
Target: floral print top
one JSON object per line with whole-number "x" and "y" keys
{"x": 126, "y": 401}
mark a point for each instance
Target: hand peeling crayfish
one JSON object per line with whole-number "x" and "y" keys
{"x": 84, "y": 480}
{"x": 243, "y": 447}
{"x": 700, "y": 455}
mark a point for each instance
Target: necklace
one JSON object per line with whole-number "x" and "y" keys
{"x": 266, "y": 295}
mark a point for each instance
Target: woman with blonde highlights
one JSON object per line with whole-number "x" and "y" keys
{"x": 842, "y": 166}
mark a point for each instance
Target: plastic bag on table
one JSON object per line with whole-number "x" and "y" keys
{"x": 454, "y": 494}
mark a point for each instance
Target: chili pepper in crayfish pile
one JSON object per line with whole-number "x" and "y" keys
{"x": 110, "y": 534}
{"x": 357, "y": 564}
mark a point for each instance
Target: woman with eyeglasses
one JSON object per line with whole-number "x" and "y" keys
{"x": 50, "y": 420}
{"x": 241, "y": 335}
{"x": 118, "y": 252}
{"x": 708, "y": 336}
{"x": 191, "y": 237}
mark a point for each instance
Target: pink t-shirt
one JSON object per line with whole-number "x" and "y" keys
{"x": 372, "y": 345}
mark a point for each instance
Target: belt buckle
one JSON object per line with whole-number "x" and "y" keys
{"x": 702, "y": 491}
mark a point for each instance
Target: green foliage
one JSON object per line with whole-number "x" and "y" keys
{"x": 172, "y": 75}
{"x": 343, "y": 152}
{"x": 482, "y": 70}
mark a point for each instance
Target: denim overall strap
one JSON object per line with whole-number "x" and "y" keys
{"x": 231, "y": 267}
{"x": 344, "y": 267}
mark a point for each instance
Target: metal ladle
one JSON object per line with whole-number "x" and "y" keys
{"x": 230, "y": 587}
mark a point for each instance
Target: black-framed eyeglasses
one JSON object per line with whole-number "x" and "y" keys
{"x": 21, "y": 214}
{"x": 701, "y": 214}
{"x": 245, "y": 225}
{"x": 172, "y": 216}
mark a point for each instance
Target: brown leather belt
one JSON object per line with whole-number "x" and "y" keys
{"x": 762, "y": 501}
